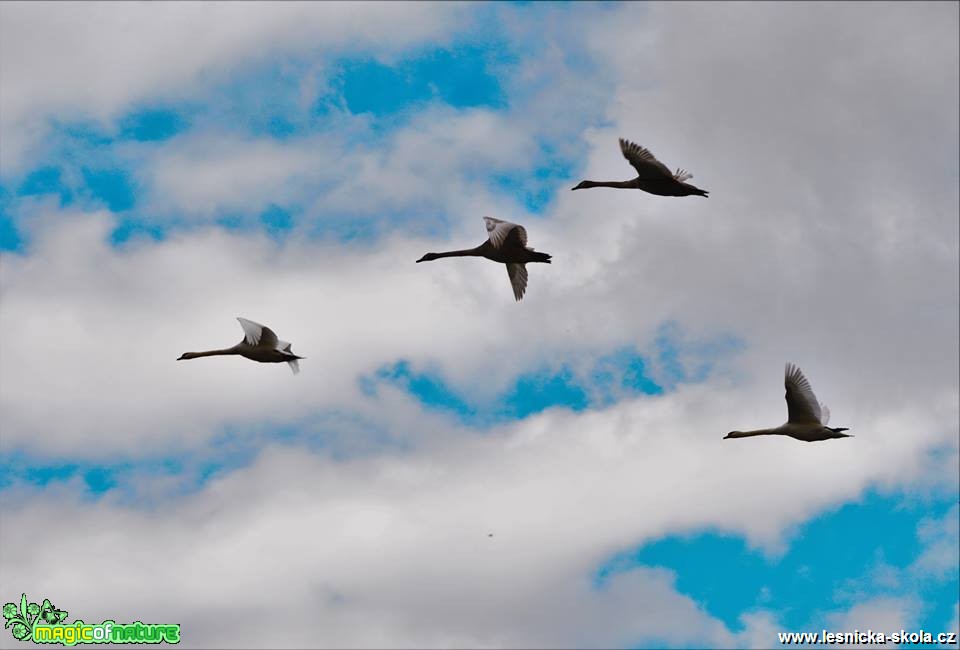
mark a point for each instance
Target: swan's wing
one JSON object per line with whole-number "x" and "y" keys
{"x": 518, "y": 279}
{"x": 498, "y": 230}
{"x": 802, "y": 404}
{"x": 251, "y": 330}
{"x": 824, "y": 415}
{"x": 257, "y": 334}
{"x": 643, "y": 161}
{"x": 294, "y": 366}
{"x": 682, "y": 175}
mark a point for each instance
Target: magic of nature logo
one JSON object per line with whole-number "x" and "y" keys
{"x": 44, "y": 623}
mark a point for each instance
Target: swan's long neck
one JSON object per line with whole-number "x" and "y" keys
{"x": 209, "y": 353}
{"x": 755, "y": 432}
{"x": 470, "y": 252}
{"x": 627, "y": 184}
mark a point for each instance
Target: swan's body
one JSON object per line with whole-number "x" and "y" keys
{"x": 259, "y": 343}
{"x": 653, "y": 176}
{"x": 806, "y": 417}
{"x": 507, "y": 244}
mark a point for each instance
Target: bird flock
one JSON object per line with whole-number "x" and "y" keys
{"x": 506, "y": 243}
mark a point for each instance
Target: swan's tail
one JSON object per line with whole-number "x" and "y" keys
{"x": 537, "y": 256}
{"x": 838, "y": 429}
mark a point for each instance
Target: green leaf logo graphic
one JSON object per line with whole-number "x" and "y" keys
{"x": 20, "y": 632}
{"x": 20, "y": 619}
{"x": 50, "y": 614}
{"x": 24, "y": 619}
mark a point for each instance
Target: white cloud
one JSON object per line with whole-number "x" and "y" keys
{"x": 431, "y": 165}
{"x": 954, "y": 626}
{"x": 74, "y": 291}
{"x": 885, "y": 615}
{"x": 224, "y": 174}
{"x": 760, "y": 630}
{"x": 399, "y": 540}
{"x": 942, "y": 539}
{"x": 347, "y": 542}
{"x": 94, "y": 59}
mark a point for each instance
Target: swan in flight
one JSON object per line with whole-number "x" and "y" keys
{"x": 806, "y": 417}
{"x": 259, "y": 343}
{"x": 653, "y": 176}
{"x": 506, "y": 243}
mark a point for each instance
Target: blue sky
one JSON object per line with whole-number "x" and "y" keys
{"x": 827, "y": 558}
{"x": 88, "y": 163}
{"x": 292, "y": 172}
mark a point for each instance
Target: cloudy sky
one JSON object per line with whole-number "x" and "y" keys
{"x": 166, "y": 168}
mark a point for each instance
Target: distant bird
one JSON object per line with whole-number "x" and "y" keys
{"x": 506, "y": 243}
{"x": 259, "y": 343}
{"x": 654, "y": 177}
{"x": 806, "y": 418}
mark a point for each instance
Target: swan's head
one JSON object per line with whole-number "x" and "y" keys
{"x": 429, "y": 257}
{"x": 733, "y": 434}
{"x": 185, "y": 355}
{"x": 582, "y": 186}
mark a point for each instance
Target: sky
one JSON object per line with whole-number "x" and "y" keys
{"x": 453, "y": 468}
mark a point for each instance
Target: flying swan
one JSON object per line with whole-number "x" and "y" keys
{"x": 806, "y": 417}
{"x": 506, "y": 243}
{"x": 259, "y": 343}
{"x": 653, "y": 176}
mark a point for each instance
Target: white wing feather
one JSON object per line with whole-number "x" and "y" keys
{"x": 643, "y": 160}
{"x": 497, "y": 231}
{"x": 294, "y": 366}
{"x": 251, "y": 330}
{"x": 682, "y": 175}
{"x": 802, "y": 404}
{"x": 518, "y": 279}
